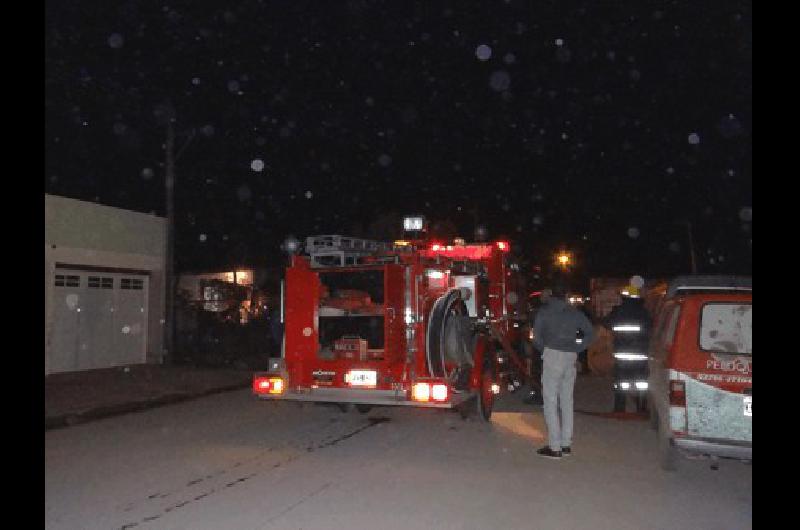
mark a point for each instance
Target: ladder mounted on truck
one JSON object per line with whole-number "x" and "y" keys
{"x": 341, "y": 251}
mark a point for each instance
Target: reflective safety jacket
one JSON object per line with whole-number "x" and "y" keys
{"x": 630, "y": 324}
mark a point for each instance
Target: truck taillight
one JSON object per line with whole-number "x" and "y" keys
{"x": 430, "y": 392}
{"x": 267, "y": 385}
{"x": 421, "y": 392}
{"x": 439, "y": 392}
{"x": 677, "y": 394}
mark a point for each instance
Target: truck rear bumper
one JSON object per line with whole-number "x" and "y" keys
{"x": 715, "y": 447}
{"x": 363, "y": 396}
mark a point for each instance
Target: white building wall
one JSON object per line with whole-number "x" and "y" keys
{"x": 81, "y": 234}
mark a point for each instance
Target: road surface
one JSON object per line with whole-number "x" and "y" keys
{"x": 229, "y": 462}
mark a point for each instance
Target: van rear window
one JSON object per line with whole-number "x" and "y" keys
{"x": 727, "y": 328}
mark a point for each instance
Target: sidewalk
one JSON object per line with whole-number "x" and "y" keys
{"x": 78, "y": 397}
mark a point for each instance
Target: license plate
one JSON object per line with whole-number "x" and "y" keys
{"x": 362, "y": 377}
{"x": 748, "y": 406}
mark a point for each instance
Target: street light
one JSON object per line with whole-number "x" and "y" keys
{"x": 563, "y": 259}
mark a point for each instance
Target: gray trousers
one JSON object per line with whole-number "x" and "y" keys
{"x": 558, "y": 382}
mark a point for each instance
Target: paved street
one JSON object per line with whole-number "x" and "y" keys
{"x": 229, "y": 461}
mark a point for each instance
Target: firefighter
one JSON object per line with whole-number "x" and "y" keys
{"x": 629, "y": 323}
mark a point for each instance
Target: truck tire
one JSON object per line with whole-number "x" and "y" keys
{"x": 667, "y": 453}
{"x": 485, "y": 401}
{"x": 619, "y": 401}
{"x": 653, "y": 417}
{"x": 641, "y": 403}
{"x": 465, "y": 409}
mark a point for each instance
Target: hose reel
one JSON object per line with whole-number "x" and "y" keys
{"x": 449, "y": 335}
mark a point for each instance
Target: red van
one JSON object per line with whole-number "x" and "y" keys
{"x": 701, "y": 369}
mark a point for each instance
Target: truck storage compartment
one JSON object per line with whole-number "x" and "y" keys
{"x": 358, "y": 337}
{"x": 351, "y": 321}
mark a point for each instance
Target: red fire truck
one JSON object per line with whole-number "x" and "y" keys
{"x": 415, "y": 322}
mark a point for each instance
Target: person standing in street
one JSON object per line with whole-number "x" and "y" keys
{"x": 560, "y": 332}
{"x": 629, "y": 322}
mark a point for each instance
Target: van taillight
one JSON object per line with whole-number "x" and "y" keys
{"x": 677, "y": 394}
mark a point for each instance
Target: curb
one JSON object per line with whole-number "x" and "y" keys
{"x": 67, "y": 420}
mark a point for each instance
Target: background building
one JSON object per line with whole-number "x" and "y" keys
{"x": 104, "y": 286}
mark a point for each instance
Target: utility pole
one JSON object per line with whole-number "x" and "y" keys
{"x": 169, "y": 252}
{"x": 691, "y": 247}
{"x": 169, "y": 264}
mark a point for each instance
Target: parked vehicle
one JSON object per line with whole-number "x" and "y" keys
{"x": 416, "y": 323}
{"x": 700, "y": 385}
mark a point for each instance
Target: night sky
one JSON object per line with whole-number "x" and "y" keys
{"x": 599, "y": 126}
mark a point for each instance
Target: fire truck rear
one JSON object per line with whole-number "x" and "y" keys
{"x": 415, "y": 322}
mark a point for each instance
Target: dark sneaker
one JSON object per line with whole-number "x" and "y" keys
{"x": 548, "y": 453}
{"x": 566, "y": 451}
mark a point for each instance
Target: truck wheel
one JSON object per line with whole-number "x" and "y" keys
{"x": 653, "y": 416}
{"x": 485, "y": 395}
{"x": 465, "y": 409}
{"x": 363, "y": 409}
{"x": 667, "y": 453}
{"x": 619, "y": 401}
{"x": 641, "y": 404}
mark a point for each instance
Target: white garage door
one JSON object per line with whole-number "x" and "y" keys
{"x": 99, "y": 319}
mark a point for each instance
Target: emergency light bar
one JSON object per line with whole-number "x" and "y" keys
{"x": 476, "y": 252}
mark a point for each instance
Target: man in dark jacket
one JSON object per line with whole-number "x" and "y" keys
{"x": 560, "y": 332}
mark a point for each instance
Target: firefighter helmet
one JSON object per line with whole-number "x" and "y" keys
{"x": 630, "y": 291}
{"x": 633, "y": 289}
